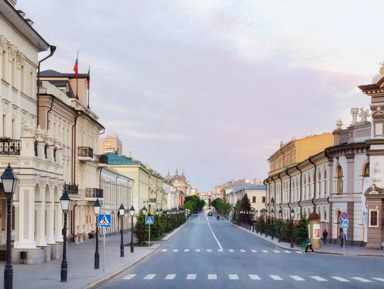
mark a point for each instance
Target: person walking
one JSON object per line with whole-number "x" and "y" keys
{"x": 325, "y": 236}
{"x": 218, "y": 218}
{"x": 342, "y": 236}
{"x": 309, "y": 246}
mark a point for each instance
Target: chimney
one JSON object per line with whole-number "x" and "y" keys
{"x": 30, "y": 22}
{"x": 12, "y": 2}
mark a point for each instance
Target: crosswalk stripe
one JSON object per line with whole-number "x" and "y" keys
{"x": 278, "y": 252}
{"x": 254, "y": 251}
{"x": 197, "y": 250}
{"x": 265, "y": 251}
{"x": 231, "y": 250}
{"x": 209, "y": 250}
{"x": 254, "y": 277}
{"x": 170, "y": 277}
{"x": 275, "y": 277}
{"x": 149, "y": 277}
{"x": 379, "y": 279}
{"x": 242, "y": 251}
{"x": 233, "y": 276}
{"x": 297, "y": 278}
{"x": 317, "y": 278}
{"x": 288, "y": 252}
{"x": 212, "y": 276}
{"x": 361, "y": 279}
{"x": 176, "y": 250}
{"x": 186, "y": 250}
{"x": 191, "y": 276}
{"x": 164, "y": 250}
{"x": 220, "y": 250}
{"x": 339, "y": 279}
{"x": 299, "y": 252}
{"x": 129, "y": 276}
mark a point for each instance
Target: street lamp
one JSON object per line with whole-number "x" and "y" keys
{"x": 266, "y": 227}
{"x": 65, "y": 206}
{"x": 272, "y": 227}
{"x": 132, "y": 213}
{"x": 257, "y": 220}
{"x": 144, "y": 210}
{"x": 9, "y": 180}
{"x": 157, "y": 223}
{"x": 121, "y": 212}
{"x": 280, "y": 215}
{"x": 97, "y": 208}
{"x": 292, "y": 214}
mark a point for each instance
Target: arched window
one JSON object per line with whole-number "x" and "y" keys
{"x": 366, "y": 171}
{"x": 339, "y": 180}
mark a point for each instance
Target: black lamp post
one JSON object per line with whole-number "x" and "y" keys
{"x": 9, "y": 180}
{"x": 157, "y": 223}
{"x": 280, "y": 215}
{"x": 272, "y": 226}
{"x": 167, "y": 221}
{"x": 257, "y": 220}
{"x": 121, "y": 212}
{"x": 97, "y": 208}
{"x": 65, "y": 206}
{"x": 292, "y": 214}
{"x": 132, "y": 213}
{"x": 144, "y": 210}
{"x": 266, "y": 223}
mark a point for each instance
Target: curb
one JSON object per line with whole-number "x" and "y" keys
{"x": 102, "y": 281}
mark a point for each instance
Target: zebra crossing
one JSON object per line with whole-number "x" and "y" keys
{"x": 228, "y": 250}
{"x": 255, "y": 277}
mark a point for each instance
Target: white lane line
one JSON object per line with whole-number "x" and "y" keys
{"x": 288, "y": 252}
{"x": 361, "y": 279}
{"x": 186, "y": 250}
{"x": 242, "y": 251}
{"x": 191, "y": 276}
{"x": 164, "y": 250}
{"x": 254, "y": 277}
{"x": 176, "y": 250}
{"x": 209, "y": 250}
{"x": 170, "y": 277}
{"x": 254, "y": 251}
{"x": 379, "y": 279}
{"x": 317, "y": 278}
{"x": 149, "y": 277}
{"x": 231, "y": 250}
{"x": 220, "y": 250}
{"x": 275, "y": 277}
{"x": 197, "y": 250}
{"x": 265, "y": 251}
{"x": 339, "y": 279}
{"x": 129, "y": 276}
{"x": 212, "y": 276}
{"x": 297, "y": 278}
{"x": 218, "y": 243}
{"x": 278, "y": 252}
{"x": 233, "y": 276}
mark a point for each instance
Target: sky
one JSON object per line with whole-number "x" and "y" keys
{"x": 211, "y": 87}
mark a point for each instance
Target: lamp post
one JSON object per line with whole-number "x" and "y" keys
{"x": 257, "y": 220}
{"x": 97, "y": 208}
{"x": 272, "y": 226}
{"x": 9, "y": 180}
{"x": 132, "y": 213}
{"x": 157, "y": 223}
{"x": 292, "y": 214}
{"x": 65, "y": 206}
{"x": 121, "y": 212}
{"x": 280, "y": 215}
{"x": 266, "y": 223}
{"x": 144, "y": 210}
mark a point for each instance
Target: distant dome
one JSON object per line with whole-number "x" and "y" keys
{"x": 314, "y": 216}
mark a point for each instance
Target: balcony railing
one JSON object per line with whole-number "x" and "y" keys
{"x": 85, "y": 152}
{"x": 10, "y": 146}
{"x": 152, "y": 200}
{"x": 93, "y": 193}
{"x": 72, "y": 189}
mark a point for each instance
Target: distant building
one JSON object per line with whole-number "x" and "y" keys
{"x": 110, "y": 144}
{"x": 180, "y": 183}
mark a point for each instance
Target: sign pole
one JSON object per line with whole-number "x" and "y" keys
{"x": 104, "y": 251}
{"x": 149, "y": 241}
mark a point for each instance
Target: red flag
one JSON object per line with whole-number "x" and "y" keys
{"x": 75, "y": 68}
{"x": 89, "y": 77}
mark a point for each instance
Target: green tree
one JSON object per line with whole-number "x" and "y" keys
{"x": 301, "y": 231}
{"x": 245, "y": 205}
{"x": 190, "y": 205}
{"x": 139, "y": 229}
{"x": 217, "y": 204}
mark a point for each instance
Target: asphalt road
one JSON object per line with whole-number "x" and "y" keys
{"x": 208, "y": 253}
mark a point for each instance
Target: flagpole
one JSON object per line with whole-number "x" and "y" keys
{"x": 77, "y": 78}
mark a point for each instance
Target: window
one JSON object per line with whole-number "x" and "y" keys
{"x": 339, "y": 180}
{"x": 4, "y": 65}
{"x": 263, "y": 200}
{"x": 253, "y": 199}
{"x": 373, "y": 217}
{"x": 366, "y": 171}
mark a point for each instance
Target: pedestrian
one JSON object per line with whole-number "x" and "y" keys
{"x": 309, "y": 246}
{"x": 342, "y": 236}
{"x": 325, "y": 236}
{"x": 218, "y": 218}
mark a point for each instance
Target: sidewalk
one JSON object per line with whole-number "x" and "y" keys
{"x": 334, "y": 249}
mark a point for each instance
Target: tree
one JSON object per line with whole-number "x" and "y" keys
{"x": 301, "y": 231}
{"x": 217, "y": 204}
{"x": 245, "y": 205}
{"x": 139, "y": 229}
{"x": 198, "y": 204}
{"x": 190, "y": 205}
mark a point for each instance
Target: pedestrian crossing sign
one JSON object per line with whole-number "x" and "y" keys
{"x": 104, "y": 221}
{"x": 149, "y": 220}
{"x": 343, "y": 224}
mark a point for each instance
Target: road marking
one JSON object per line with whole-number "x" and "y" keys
{"x": 176, "y": 250}
{"x": 265, "y": 251}
{"x": 299, "y": 252}
{"x": 186, "y": 250}
{"x": 242, "y": 251}
{"x": 170, "y": 277}
{"x": 275, "y": 277}
{"x": 339, "y": 279}
{"x": 379, "y": 279}
{"x": 317, "y": 278}
{"x": 231, "y": 250}
{"x": 297, "y": 278}
{"x": 219, "y": 250}
{"x": 288, "y": 252}
{"x": 149, "y": 277}
{"x": 278, "y": 252}
{"x": 191, "y": 276}
{"x": 254, "y": 277}
{"x": 254, "y": 251}
{"x": 218, "y": 243}
{"x": 164, "y": 250}
{"x": 361, "y": 279}
{"x": 233, "y": 276}
{"x": 209, "y": 250}
{"x": 212, "y": 276}
{"x": 197, "y": 250}
{"x": 129, "y": 276}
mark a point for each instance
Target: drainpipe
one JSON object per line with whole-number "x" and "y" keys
{"x": 329, "y": 192}
{"x": 301, "y": 184}
{"x": 281, "y": 191}
{"x": 53, "y": 49}
{"x": 79, "y": 113}
{"x": 289, "y": 190}
{"x": 268, "y": 189}
{"x": 315, "y": 183}
{"x": 53, "y": 98}
{"x": 73, "y": 222}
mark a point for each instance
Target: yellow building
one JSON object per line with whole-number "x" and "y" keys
{"x": 297, "y": 151}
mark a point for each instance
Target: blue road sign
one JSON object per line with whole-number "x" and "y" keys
{"x": 149, "y": 220}
{"x": 343, "y": 224}
{"x": 344, "y": 216}
{"x": 104, "y": 221}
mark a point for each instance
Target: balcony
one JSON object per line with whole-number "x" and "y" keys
{"x": 85, "y": 154}
{"x": 102, "y": 160}
{"x": 91, "y": 194}
{"x": 10, "y": 146}
{"x": 152, "y": 201}
{"x": 72, "y": 190}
